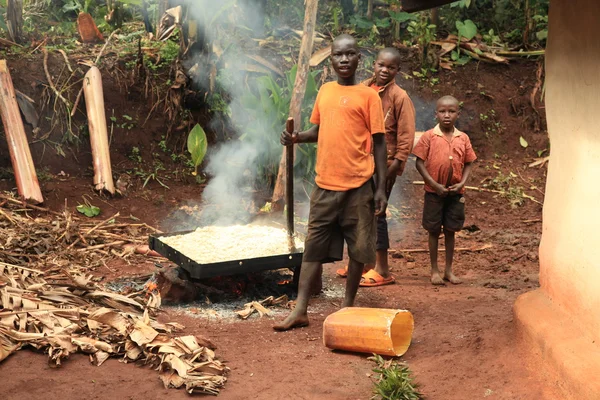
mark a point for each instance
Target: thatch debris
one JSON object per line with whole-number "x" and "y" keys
{"x": 61, "y": 312}
{"x": 261, "y": 306}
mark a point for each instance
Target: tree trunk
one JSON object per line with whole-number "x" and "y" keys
{"x": 18, "y": 147}
{"x": 370, "y": 10}
{"x": 14, "y": 19}
{"x": 310, "y": 18}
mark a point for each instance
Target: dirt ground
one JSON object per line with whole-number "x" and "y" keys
{"x": 464, "y": 342}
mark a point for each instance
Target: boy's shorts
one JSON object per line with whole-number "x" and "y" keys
{"x": 447, "y": 212}
{"x": 338, "y": 216}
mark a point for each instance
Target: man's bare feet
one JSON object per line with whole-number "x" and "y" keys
{"x": 436, "y": 279}
{"x": 450, "y": 277}
{"x": 294, "y": 320}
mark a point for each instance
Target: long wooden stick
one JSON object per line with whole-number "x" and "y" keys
{"x": 20, "y": 154}
{"x": 478, "y": 189}
{"x": 289, "y": 186}
{"x": 310, "y": 19}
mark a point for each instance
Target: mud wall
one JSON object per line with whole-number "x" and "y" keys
{"x": 570, "y": 247}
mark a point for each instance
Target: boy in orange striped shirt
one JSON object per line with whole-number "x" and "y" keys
{"x": 444, "y": 160}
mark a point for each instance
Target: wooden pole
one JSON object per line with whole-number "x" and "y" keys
{"x": 94, "y": 101}
{"x": 14, "y": 19}
{"x": 289, "y": 186}
{"x": 306, "y": 46}
{"x": 20, "y": 155}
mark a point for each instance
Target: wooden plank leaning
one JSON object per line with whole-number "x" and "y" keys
{"x": 94, "y": 101}
{"x": 20, "y": 154}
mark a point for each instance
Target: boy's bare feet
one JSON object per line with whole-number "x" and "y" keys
{"x": 436, "y": 279}
{"x": 294, "y": 320}
{"x": 450, "y": 277}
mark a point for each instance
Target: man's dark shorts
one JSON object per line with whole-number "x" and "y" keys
{"x": 447, "y": 212}
{"x": 338, "y": 216}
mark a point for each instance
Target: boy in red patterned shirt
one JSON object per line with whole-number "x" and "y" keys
{"x": 444, "y": 159}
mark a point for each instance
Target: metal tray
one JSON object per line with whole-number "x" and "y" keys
{"x": 224, "y": 268}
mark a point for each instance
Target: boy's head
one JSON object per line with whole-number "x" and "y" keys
{"x": 345, "y": 56}
{"x": 447, "y": 111}
{"x": 386, "y": 66}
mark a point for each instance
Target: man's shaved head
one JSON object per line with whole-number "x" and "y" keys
{"x": 448, "y": 100}
{"x": 390, "y": 51}
{"x": 343, "y": 38}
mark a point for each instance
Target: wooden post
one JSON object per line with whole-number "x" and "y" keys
{"x": 289, "y": 186}
{"x": 94, "y": 101}
{"x": 310, "y": 18}
{"x": 14, "y": 19}
{"x": 20, "y": 155}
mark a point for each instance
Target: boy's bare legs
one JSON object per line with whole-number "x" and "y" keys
{"x": 436, "y": 278}
{"x": 449, "y": 241}
{"x": 299, "y": 317}
{"x": 355, "y": 271}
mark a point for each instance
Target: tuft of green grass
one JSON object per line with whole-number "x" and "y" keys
{"x": 394, "y": 381}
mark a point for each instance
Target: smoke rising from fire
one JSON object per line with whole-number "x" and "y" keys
{"x": 232, "y": 165}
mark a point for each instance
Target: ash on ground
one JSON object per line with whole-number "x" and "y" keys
{"x": 221, "y": 297}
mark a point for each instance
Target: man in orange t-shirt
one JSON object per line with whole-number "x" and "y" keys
{"x": 349, "y": 124}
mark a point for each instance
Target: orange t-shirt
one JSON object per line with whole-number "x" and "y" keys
{"x": 347, "y": 117}
{"x": 443, "y": 156}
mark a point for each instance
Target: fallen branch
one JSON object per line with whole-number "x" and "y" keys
{"x": 102, "y": 246}
{"x": 457, "y": 249}
{"x": 521, "y": 53}
{"x": 478, "y": 189}
{"x": 64, "y": 54}
{"x": 50, "y": 82}
{"x": 101, "y": 223}
{"x": 27, "y": 205}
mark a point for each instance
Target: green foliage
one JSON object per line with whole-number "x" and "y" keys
{"x": 135, "y": 155}
{"x": 466, "y": 29}
{"x": 506, "y": 185}
{"x": 422, "y": 32}
{"x": 490, "y": 123}
{"x": 197, "y": 145}
{"x": 394, "y": 381}
{"x": 88, "y": 210}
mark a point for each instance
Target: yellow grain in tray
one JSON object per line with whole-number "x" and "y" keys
{"x": 226, "y": 243}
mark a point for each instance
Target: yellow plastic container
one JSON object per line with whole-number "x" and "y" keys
{"x": 369, "y": 330}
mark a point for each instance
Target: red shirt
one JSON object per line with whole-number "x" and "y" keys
{"x": 443, "y": 157}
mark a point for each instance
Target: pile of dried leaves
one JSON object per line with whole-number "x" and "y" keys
{"x": 61, "y": 312}
{"x": 33, "y": 236}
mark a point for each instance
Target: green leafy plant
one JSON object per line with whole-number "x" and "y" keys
{"x": 466, "y": 29}
{"x": 135, "y": 155}
{"x": 506, "y": 187}
{"x": 422, "y": 32}
{"x": 197, "y": 145}
{"x": 88, "y": 209}
{"x": 394, "y": 381}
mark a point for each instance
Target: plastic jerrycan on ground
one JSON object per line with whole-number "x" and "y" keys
{"x": 369, "y": 330}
